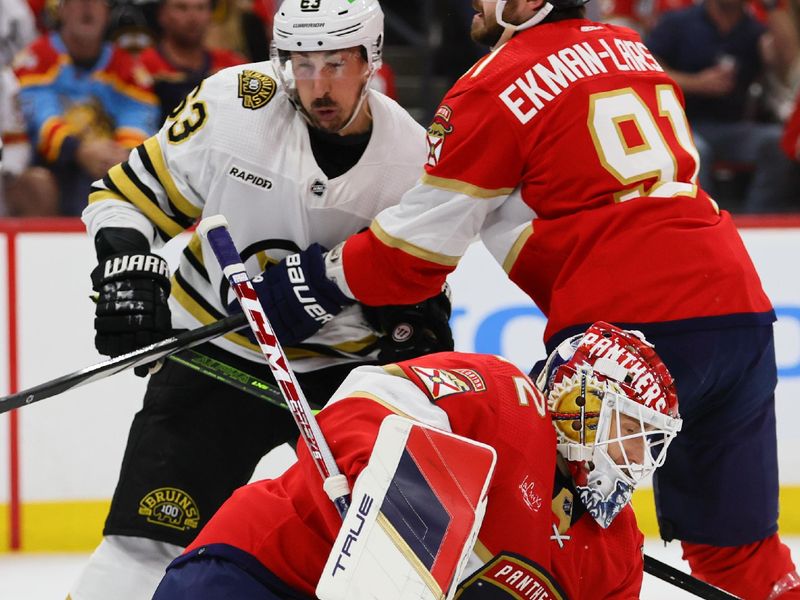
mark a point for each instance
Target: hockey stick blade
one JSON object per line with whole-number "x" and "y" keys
{"x": 678, "y": 578}
{"x": 142, "y": 356}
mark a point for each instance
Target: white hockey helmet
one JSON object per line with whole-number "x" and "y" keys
{"x": 326, "y": 25}
{"x": 309, "y": 25}
{"x": 607, "y": 390}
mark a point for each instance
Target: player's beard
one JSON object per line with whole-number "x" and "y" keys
{"x": 485, "y": 30}
{"x": 328, "y": 125}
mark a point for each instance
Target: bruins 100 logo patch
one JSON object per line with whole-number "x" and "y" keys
{"x": 256, "y": 89}
{"x": 170, "y": 507}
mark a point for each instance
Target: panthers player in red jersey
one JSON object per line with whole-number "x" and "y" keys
{"x": 567, "y": 150}
{"x": 570, "y": 449}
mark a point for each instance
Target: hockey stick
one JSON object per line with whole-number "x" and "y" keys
{"x": 215, "y": 231}
{"x": 230, "y": 375}
{"x": 682, "y": 580}
{"x": 143, "y": 356}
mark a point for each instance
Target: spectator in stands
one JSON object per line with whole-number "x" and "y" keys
{"x": 17, "y": 30}
{"x": 714, "y": 51}
{"x": 85, "y": 102}
{"x": 17, "y": 181}
{"x": 181, "y": 59}
{"x": 133, "y": 24}
{"x": 791, "y": 147}
{"x": 244, "y": 26}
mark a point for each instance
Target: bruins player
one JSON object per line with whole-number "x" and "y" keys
{"x": 294, "y": 152}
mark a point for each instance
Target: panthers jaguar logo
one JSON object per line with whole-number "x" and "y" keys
{"x": 438, "y": 130}
{"x": 256, "y": 89}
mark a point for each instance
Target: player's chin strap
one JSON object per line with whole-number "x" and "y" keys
{"x": 510, "y": 28}
{"x": 364, "y": 92}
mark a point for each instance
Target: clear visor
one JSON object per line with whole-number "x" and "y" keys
{"x": 322, "y": 65}
{"x": 634, "y": 436}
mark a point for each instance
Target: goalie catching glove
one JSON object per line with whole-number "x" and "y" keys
{"x": 132, "y": 309}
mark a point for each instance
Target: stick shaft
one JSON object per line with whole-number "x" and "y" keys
{"x": 214, "y": 229}
{"x": 684, "y": 581}
{"x": 230, "y": 375}
{"x": 143, "y": 356}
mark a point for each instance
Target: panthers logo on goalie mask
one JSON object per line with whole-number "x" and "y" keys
{"x": 615, "y": 411}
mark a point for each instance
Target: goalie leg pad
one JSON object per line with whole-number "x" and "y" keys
{"x": 416, "y": 511}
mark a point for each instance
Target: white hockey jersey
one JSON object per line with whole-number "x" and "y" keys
{"x": 236, "y": 146}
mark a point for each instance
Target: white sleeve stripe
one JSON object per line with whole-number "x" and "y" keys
{"x": 438, "y": 221}
{"x": 398, "y": 394}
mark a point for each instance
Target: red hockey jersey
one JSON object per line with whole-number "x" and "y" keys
{"x": 568, "y": 151}
{"x": 289, "y": 524}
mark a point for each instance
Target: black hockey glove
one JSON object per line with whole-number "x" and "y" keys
{"x": 132, "y": 306}
{"x": 297, "y": 295}
{"x": 412, "y": 330}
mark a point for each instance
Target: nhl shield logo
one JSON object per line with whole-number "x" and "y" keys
{"x": 437, "y": 131}
{"x": 256, "y": 89}
{"x": 318, "y": 188}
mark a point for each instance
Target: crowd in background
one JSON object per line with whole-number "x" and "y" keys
{"x": 84, "y": 81}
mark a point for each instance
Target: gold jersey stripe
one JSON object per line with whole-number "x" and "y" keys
{"x": 125, "y": 88}
{"x": 194, "y": 246}
{"x": 513, "y": 254}
{"x": 194, "y": 308}
{"x": 409, "y": 248}
{"x": 46, "y": 78}
{"x": 204, "y": 317}
{"x": 138, "y": 198}
{"x": 102, "y": 195}
{"x": 153, "y": 150}
{"x": 409, "y": 555}
{"x": 51, "y": 137}
{"x": 388, "y": 406}
{"x": 482, "y": 551}
{"x": 454, "y": 185}
{"x": 393, "y": 369}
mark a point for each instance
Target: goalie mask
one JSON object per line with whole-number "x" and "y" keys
{"x": 314, "y": 38}
{"x": 615, "y": 411}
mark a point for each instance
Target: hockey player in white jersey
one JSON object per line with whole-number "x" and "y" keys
{"x": 294, "y": 152}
